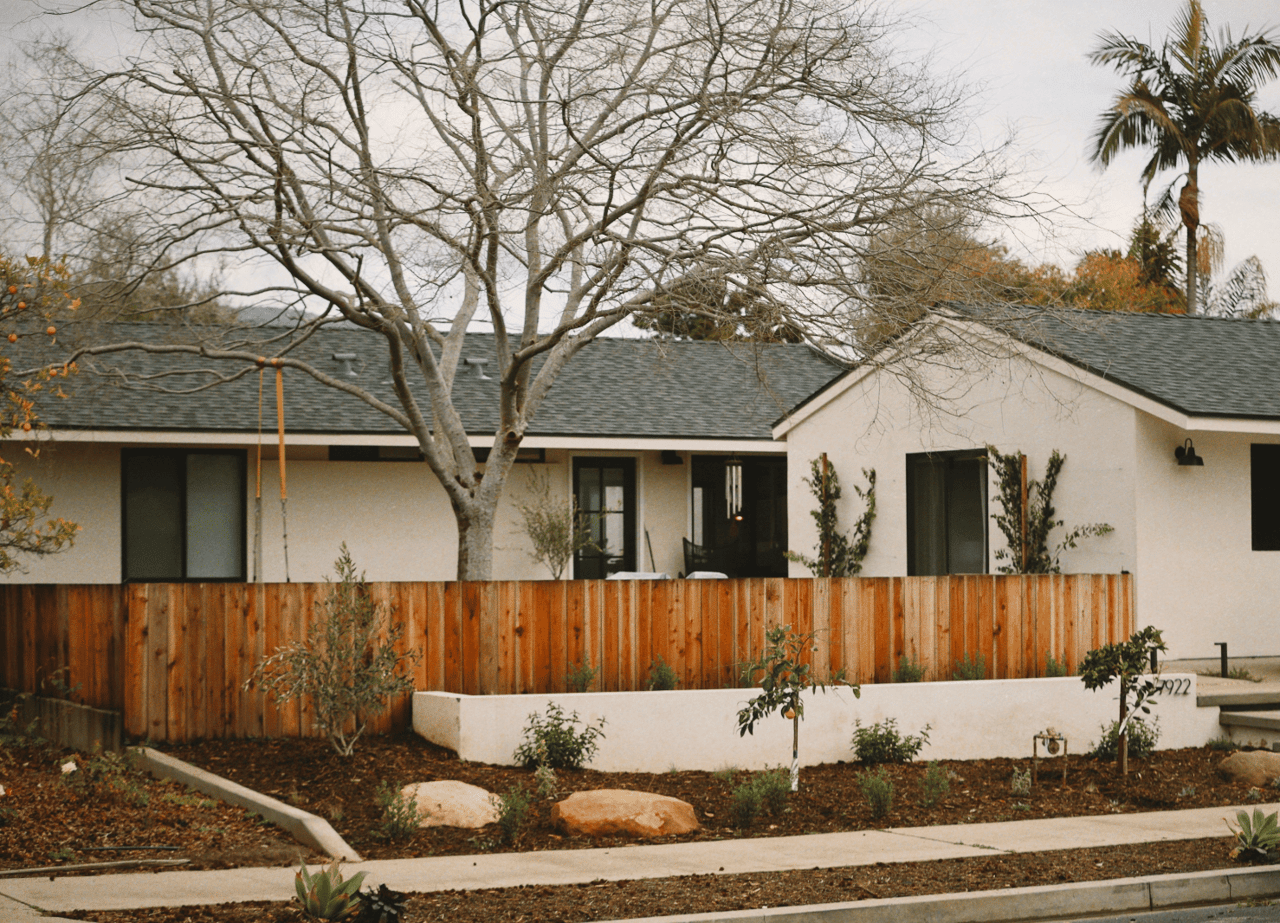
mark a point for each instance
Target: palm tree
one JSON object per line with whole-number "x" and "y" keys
{"x": 1192, "y": 100}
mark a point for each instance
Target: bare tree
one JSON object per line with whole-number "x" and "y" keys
{"x": 544, "y": 170}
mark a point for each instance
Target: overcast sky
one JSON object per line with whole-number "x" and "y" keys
{"x": 1027, "y": 62}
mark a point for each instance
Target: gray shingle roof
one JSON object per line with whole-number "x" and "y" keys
{"x": 614, "y": 387}
{"x": 1201, "y": 366}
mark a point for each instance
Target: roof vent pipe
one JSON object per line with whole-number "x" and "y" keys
{"x": 346, "y": 359}
{"x": 478, "y": 365}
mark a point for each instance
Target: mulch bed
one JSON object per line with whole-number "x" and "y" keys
{"x": 94, "y": 814}
{"x": 705, "y": 893}
{"x": 308, "y": 774}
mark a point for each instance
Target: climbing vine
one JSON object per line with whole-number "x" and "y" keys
{"x": 837, "y": 555}
{"x": 1039, "y": 517}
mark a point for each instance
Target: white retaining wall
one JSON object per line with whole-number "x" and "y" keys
{"x": 697, "y": 729}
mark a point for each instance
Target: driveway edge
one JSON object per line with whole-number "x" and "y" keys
{"x": 304, "y": 827}
{"x": 1121, "y": 895}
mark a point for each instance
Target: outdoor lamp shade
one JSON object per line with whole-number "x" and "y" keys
{"x": 1186, "y": 455}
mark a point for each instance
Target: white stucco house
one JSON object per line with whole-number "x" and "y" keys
{"x": 665, "y": 441}
{"x": 1117, "y": 394}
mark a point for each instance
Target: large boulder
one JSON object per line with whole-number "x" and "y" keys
{"x": 613, "y": 812}
{"x": 1253, "y": 767}
{"x": 450, "y": 803}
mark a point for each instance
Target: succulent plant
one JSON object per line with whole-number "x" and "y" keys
{"x": 325, "y": 894}
{"x": 1257, "y": 837}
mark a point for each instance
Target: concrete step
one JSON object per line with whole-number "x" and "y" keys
{"x": 1259, "y": 728}
{"x": 1237, "y": 699}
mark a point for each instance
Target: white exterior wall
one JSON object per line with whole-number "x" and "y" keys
{"x": 394, "y": 516}
{"x": 697, "y": 728}
{"x": 1010, "y": 404}
{"x": 1198, "y": 577}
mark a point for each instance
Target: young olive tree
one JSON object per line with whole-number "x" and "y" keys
{"x": 1127, "y": 662}
{"x": 546, "y": 171}
{"x": 555, "y": 528}
{"x": 348, "y": 668}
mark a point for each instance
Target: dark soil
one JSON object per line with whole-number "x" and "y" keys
{"x": 308, "y": 774}
{"x": 96, "y": 813}
{"x": 704, "y": 893}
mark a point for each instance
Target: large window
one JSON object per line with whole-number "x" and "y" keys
{"x": 739, "y": 516}
{"x": 605, "y": 492}
{"x": 1265, "y": 496}
{"x": 947, "y": 513}
{"x": 184, "y": 515}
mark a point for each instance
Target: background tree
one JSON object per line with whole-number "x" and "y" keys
{"x": 546, "y": 171}
{"x": 1190, "y": 101}
{"x": 31, "y": 292}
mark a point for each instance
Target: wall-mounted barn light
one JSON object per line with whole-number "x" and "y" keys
{"x": 1186, "y": 455}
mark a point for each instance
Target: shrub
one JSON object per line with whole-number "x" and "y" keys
{"x": 744, "y": 805}
{"x": 935, "y": 785}
{"x": 400, "y": 815}
{"x": 325, "y": 894}
{"x": 1255, "y": 837}
{"x": 1054, "y": 667}
{"x": 581, "y": 676}
{"x": 545, "y": 778}
{"x": 349, "y": 667}
{"x": 908, "y": 671}
{"x": 555, "y": 741}
{"x": 1222, "y": 744}
{"x": 970, "y": 668}
{"x": 513, "y": 813}
{"x": 662, "y": 678}
{"x": 1021, "y": 782}
{"x": 878, "y": 791}
{"x": 1142, "y": 740}
{"x": 774, "y": 785}
{"x": 381, "y": 906}
{"x": 881, "y": 743}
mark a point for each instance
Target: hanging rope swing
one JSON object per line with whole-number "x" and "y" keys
{"x": 284, "y": 493}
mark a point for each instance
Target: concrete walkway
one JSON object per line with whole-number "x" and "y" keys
{"x": 827, "y": 850}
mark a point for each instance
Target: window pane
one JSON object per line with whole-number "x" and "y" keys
{"x": 966, "y": 517}
{"x": 153, "y": 517}
{"x": 1265, "y": 490}
{"x": 214, "y": 504}
{"x": 589, "y": 490}
{"x": 928, "y": 517}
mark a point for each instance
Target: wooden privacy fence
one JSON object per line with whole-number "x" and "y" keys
{"x": 174, "y": 657}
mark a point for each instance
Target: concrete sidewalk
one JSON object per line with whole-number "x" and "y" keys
{"x": 827, "y": 850}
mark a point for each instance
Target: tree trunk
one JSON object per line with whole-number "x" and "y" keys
{"x": 475, "y": 543}
{"x": 1189, "y": 206}
{"x": 1122, "y": 739}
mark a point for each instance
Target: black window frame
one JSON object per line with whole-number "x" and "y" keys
{"x": 629, "y": 513}
{"x": 242, "y": 506}
{"x": 913, "y": 460}
{"x": 1264, "y": 496}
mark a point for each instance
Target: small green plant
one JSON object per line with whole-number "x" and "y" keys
{"x": 350, "y": 666}
{"x": 935, "y": 785}
{"x": 1253, "y": 794}
{"x": 109, "y": 775}
{"x": 662, "y": 678}
{"x": 400, "y": 817}
{"x": 544, "y": 777}
{"x": 881, "y": 743}
{"x": 1021, "y": 782}
{"x": 970, "y": 668}
{"x": 381, "y": 906}
{"x": 1054, "y": 667}
{"x": 62, "y": 854}
{"x": 326, "y": 894}
{"x": 836, "y": 554}
{"x": 1222, "y": 744}
{"x": 1142, "y": 740}
{"x": 1188, "y": 791}
{"x": 908, "y": 671}
{"x": 1126, "y": 661}
{"x": 16, "y": 735}
{"x": 513, "y": 813}
{"x": 725, "y": 773}
{"x": 744, "y": 805}
{"x": 774, "y": 786}
{"x": 581, "y": 676}
{"x": 1256, "y": 836}
{"x": 783, "y": 677}
{"x": 555, "y": 741}
{"x": 878, "y": 790}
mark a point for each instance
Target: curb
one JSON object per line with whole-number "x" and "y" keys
{"x": 1121, "y": 895}
{"x": 304, "y": 827}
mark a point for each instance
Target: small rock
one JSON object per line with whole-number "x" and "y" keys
{"x": 1255, "y": 767}
{"x": 450, "y": 803}
{"x": 610, "y": 812}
